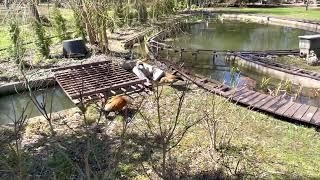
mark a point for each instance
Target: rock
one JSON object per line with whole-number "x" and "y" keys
{"x": 128, "y": 65}
{"x": 312, "y": 59}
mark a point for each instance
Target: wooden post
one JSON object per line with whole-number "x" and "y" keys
{"x": 34, "y": 11}
{"x": 213, "y": 57}
{"x": 181, "y": 52}
{"x": 196, "y": 55}
{"x": 6, "y": 3}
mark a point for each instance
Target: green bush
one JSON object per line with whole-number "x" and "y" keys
{"x": 42, "y": 41}
{"x": 59, "y": 25}
{"x": 120, "y": 13}
{"x": 17, "y": 50}
{"x": 142, "y": 11}
{"x": 79, "y": 27}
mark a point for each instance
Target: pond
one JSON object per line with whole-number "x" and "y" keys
{"x": 13, "y": 105}
{"x": 235, "y": 35}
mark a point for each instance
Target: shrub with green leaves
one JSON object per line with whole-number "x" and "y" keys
{"x": 79, "y": 26}
{"x": 42, "y": 41}
{"x": 59, "y": 25}
{"x": 120, "y": 13}
{"x": 162, "y": 7}
{"x": 142, "y": 11}
{"x": 17, "y": 49}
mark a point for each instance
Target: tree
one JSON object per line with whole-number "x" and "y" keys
{"x": 94, "y": 15}
{"x": 6, "y": 3}
{"x": 34, "y": 10}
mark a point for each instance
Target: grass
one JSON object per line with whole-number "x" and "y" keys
{"x": 297, "y": 62}
{"x": 25, "y": 29}
{"x": 291, "y": 12}
{"x": 268, "y": 147}
{"x": 277, "y": 148}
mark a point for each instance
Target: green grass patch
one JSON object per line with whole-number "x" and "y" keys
{"x": 265, "y": 145}
{"x": 4, "y": 37}
{"x": 297, "y": 62}
{"x": 291, "y": 12}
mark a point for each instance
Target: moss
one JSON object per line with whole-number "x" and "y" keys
{"x": 37, "y": 126}
{"x": 92, "y": 114}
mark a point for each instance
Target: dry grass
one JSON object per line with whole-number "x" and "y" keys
{"x": 260, "y": 146}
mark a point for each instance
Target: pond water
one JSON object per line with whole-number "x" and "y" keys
{"x": 13, "y": 105}
{"x": 235, "y": 35}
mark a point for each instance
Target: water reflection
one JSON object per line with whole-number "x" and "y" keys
{"x": 13, "y": 105}
{"x": 234, "y": 35}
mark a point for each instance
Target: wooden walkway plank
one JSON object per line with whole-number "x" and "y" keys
{"x": 270, "y": 103}
{"x": 257, "y": 99}
{"x": 316, "y": 118}
{"x": 290, "y": 111}
{"x": 238, "y": 93}
{"x": 309, "y": 114}
{"x": 244, "y": 95}
{"x": 262, "y": 102}
{"x": 284, "y": 108}
{"x": 300, "y": 112}
{"x": 277, "y": 105}
{"x": 247, "y": 99}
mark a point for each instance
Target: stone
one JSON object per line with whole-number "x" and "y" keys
{"x": 312, "y": 59}
{"x": 128, "y": 65}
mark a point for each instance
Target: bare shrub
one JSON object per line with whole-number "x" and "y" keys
{"x": 166, "y": 120}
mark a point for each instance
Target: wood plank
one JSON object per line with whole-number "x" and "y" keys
{"x": 272, "y": 101}
{"x": 300, "y": 112}
{"x": 290, "y": 111}
{"x": 309, "y": 114}
{"x": 277, "y": 105}
{"x": 284, "y": 108}
{"x": 263, "y": 101}
{"x": 316, "y": 118}
{"x": 257, "y": 99}
{"x": 238, "y": 92}
{"x": 247, "y": 94}
{"x": 247, "y": 99}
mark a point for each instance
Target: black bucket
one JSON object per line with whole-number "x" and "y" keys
{"x": 74, "y": 48}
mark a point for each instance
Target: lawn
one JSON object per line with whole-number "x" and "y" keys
{"x": 26, "y": 31}
{"x": 250, "y": 143}
{"x": 292, "y": 12}
{"x": 272, "y": 147}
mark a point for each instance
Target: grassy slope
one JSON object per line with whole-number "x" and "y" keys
{"x": 292, "y": 12}
{"x": 27, "y": 34}
{"x": 297, "y": 62}
{"x": 279, "y": 148}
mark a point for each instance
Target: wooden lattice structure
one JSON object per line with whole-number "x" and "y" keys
{"x": 97, "y": 80}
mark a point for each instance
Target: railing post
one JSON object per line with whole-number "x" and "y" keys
{"x": 196, "y": 55}
{"x": 181, "y": 53}
{"x": 214, "y": 57}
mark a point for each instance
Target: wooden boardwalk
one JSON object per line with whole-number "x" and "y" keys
{"x": 277, "y": 106}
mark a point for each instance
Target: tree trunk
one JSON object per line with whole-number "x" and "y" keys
{"x": 34, "y": 11}
{"x": 163, "y": 164}
{"x": 6, "y": 3}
